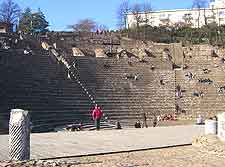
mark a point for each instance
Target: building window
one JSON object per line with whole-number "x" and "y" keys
{"x": 221, "y": 13}
{"x": 162, "y": 15}
{"x": 2, "y": 28}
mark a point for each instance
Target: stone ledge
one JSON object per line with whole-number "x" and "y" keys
{"x": 210, "y": 144}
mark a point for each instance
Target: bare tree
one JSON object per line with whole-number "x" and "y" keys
{"x": 205, "y": 18}
{"x": 147, "y": 8}
{"x": 137, "y": 14}
{"x": 122, "y": 13}
{"x": 188, "y": 19}
{"x": 86, "y": 25}
{"x": 136, "y": 11}
{"x": 199, "y": 4}
{"x": 9, "y": 12}
{"x": 102, "y": 27}
{"x": 213, "y": 16}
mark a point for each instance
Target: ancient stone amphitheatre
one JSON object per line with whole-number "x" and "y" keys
{"x": 151, "y": 82}
{"x": 136, "y": 77}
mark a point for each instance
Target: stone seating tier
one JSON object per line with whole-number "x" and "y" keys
{"x": 212, "y": 101}
{"x": 39, "y": 84}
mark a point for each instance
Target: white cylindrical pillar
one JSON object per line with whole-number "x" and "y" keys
{"x": 221, "y": 126}
{"x": 19, "y": 135}
{"x": 210, "y": 127}
{"x": 199, "y": 120}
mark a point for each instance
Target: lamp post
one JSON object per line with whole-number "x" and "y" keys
{"x": 31, "y": 26}
{"x": 31, "y": 23}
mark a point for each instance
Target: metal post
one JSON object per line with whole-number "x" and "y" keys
{"x": 19, "y": 135}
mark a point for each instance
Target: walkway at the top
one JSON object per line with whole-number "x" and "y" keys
{"x": 52, "y": 145}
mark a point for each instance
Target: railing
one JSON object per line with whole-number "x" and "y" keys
{"x": 72, "y": 69}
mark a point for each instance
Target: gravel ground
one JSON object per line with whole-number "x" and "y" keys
{"x": 188, "y": 156}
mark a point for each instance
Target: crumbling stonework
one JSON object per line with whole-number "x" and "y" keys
{"x": 210, "y": 144}
{"x": 77, "y": 52}
{"x": 99, "y": 52}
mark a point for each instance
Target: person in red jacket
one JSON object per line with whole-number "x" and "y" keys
{"x": 97, "y": 115}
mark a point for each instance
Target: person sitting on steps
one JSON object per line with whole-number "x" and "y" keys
{"x": 152, "y": 67}
{"x": 189, "y": 75}
{"x": 137, "y": 124}
{"x": 205, "y": 81}
{"x": 222, "y": 60}
{"x": 198, "y": 94}
{"x": 206, "y": 71}
{"x": 161, "y": 82}
{"x": 213, "y": 52}
{"x": 118, "y": 125}
{"x": 221, "y": 89}
{"x": 132, "y": 76}
{"x": 129, "y": 61}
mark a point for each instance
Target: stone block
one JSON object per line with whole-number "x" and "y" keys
{"x": 100, "y": 53}
{"x": 77, "y": 52}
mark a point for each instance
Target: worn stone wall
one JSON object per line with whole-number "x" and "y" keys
{"x": 139, "y": 47}
{"x": 85, "y": 41}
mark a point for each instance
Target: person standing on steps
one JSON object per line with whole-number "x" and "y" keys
{"x": 145, "y": 120}
{"x": 154, "y": 121}
{"x": 178, "y": 91}
{"x": 97, "y": 115}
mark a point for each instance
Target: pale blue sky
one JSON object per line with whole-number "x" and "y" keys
{"x": 61, "y": 13}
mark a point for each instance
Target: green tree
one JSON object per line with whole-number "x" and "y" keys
{"x": 33, "y": 22}
{"x": 25, "y": 21}
{"x": 136, "y": 11}
{"x": 39, "y": 22}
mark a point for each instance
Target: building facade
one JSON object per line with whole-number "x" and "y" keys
{"x": 5, "y": 27}
{"x": 196, "y": 17}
